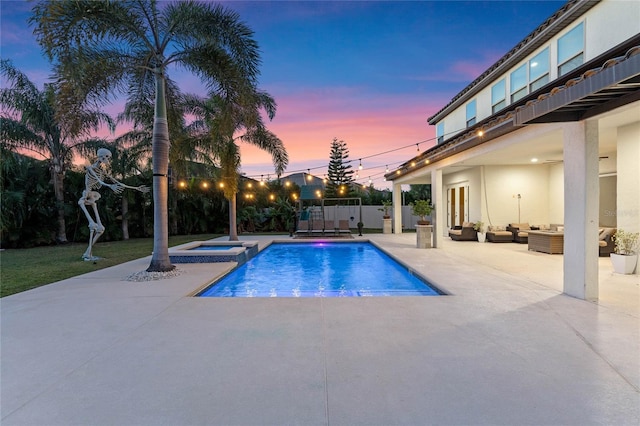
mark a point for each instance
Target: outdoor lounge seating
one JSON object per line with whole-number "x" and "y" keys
{"x": 606, "y": 245}
{"x": 464, "y": 232}
{"x": 343, "y": 227}
{"x": 519, "y": 232}
{"x": 317, "y": 227}
{"x": 499, "y": 234}
{"x": 303, "y": 227}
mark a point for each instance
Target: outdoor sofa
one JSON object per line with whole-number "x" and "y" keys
{"x": 499, "y": 234}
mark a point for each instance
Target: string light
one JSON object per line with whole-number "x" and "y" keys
{"x": 386, "y": 170}
{"x": 418, "y": 147}
{"x": 360, "y": 166}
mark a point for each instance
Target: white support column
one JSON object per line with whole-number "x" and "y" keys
{"x": 396, "y": 197}
{"x": 581, "y": 200}
{"x": 441, "y": 211}
{"x": 628, "y": 179}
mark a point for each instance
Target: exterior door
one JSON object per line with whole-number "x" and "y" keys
{"x": 457, "y": 204}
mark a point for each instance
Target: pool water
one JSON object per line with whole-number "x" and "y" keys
{"x": 320, "y": 270}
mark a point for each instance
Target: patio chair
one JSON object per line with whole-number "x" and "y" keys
{"x": 606, "y": 245}
{"x": 343, "y": 227}
{"x": 330, "y": 227}
{"x": 464, "y": 232}
{"x": 520, "y": 232}
{"x": 303, "y": 227}
{"x": 317, "y": 227}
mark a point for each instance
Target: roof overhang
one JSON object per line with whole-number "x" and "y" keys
{"x": 597, "y": 91}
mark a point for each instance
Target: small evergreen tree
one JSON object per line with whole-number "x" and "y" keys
{"x": 340, "y": 175}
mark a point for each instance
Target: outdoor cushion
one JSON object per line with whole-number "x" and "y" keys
{"x": 521, "y": 226}
{"x": 496, "y": 228}
{"x": 455, "y": 231}
{"x": 606, "y": 232}
{"x": 503, "y": 233}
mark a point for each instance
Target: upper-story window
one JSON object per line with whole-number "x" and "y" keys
{"x": 498, "y": 96}
{"x": 539, "y": 70}
{"x": 440, "y": 132}
{"x": 571, "y": 49}
{"x": 471, "y": 113}
{"x": 519, "y": 83}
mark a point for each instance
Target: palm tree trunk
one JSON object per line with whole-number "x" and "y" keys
{"x": 233, "y": 226}
{"x": 125, "y": 219}
{"x": 174, "y": 215}
{"x": 58, "y": 189}
{"x": 160, "y": 261}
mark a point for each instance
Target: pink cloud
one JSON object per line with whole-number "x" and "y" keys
{"x": 308, "y": 121}
{"x": 461, "y": 71}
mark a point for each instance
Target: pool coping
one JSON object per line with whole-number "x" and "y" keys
{"x": 240, "y": 252}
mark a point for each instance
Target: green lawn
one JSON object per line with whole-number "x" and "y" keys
{"x": 24, "y": 269}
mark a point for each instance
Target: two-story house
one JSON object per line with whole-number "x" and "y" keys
{"x": 549, "y": 134}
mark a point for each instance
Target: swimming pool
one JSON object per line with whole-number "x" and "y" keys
{"x": 320, "y": 269}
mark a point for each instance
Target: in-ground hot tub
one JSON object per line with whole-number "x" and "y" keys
{"x": 213, "y": 251}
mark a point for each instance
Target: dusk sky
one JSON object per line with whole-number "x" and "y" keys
{"x": 367, "y": 72}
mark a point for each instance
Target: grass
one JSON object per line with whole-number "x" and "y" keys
{"x": 24, "y": 269}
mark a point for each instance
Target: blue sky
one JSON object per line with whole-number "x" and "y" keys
{"x": 367, "y": 72}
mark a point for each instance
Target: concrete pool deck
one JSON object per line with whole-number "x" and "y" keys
{"x": 505, "y": 347}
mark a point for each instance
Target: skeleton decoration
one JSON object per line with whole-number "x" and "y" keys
{"x": 96, "y": 177}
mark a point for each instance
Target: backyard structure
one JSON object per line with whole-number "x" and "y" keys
{"x": 326, "y": 216}
{"x": 96, "y": 177}
{"x": 547, "y": 135}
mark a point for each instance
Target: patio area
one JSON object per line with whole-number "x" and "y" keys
{"x": 504, "y": 347}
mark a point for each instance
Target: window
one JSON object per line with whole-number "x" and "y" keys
{"x": 539, "y": 70}
{"x": 471, "y": 113}
{"x": 571, "y": 49}
{"x": 498, "y": 96}
{"x": 519, "y": 83}
{"x": 440, "y": 132}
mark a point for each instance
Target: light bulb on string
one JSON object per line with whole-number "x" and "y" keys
{"x": 360, "y": 166}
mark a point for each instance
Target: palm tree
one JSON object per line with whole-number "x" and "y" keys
{"x": 224, "y": 119}
{"x": 127, "y": 46}
{"x": 30, "y": 120}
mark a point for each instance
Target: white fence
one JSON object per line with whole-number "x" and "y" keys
{"x": 371, "y": 215}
